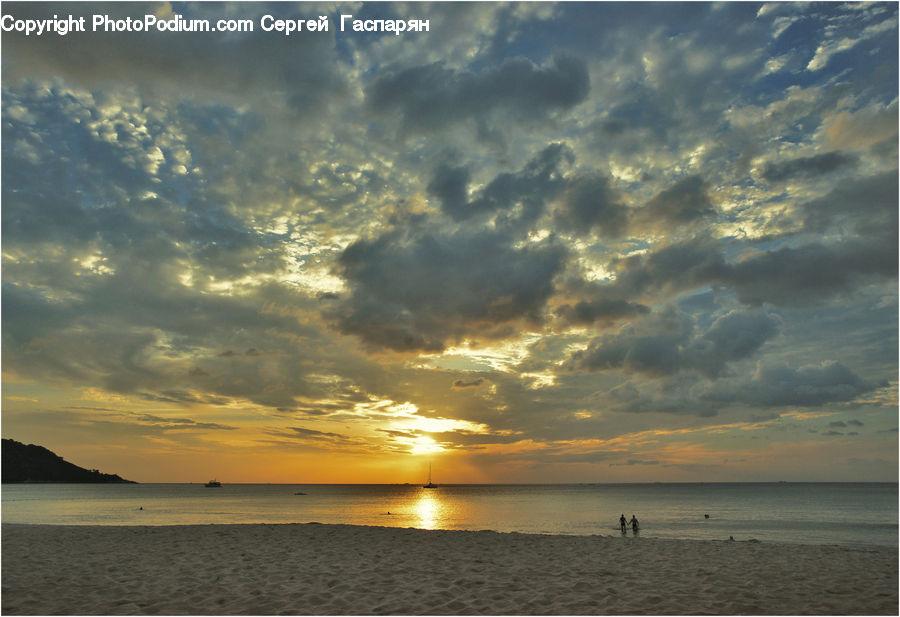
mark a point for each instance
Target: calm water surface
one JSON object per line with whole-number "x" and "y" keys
{"x": 849, "y": 514}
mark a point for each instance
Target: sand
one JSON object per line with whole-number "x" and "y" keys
{"x": 342, "y": 569}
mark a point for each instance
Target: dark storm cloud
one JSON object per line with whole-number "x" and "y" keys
{"x": 585, "y": 202}
{"x": 655, "y": 355}
{"x": 539, "y": 180}
{"x": 684, "y": 203}
{"x": 776, "y": 384}
{"x": 431, "y": 97}
{"x": 786, "y": 276}
{"x": 641, "y": 112}
{"x": 589, "y": 203}
{"x": 671, "y": 398}
{"x": 867, "y": 206}
{"x": 450, "y": 186}
{"x": 684, "y": 265}
{"x": 807, "y": 386}
{"x": 808, "y": 167}
{"x": 811, "y": 273}
{"x": 421, "y": 291}
{"x": 600, "y": 311}
{"x": 674, "y": 346}
{"x": 732, "y": 337}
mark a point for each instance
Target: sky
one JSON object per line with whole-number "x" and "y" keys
{"x": 602, "y": 242}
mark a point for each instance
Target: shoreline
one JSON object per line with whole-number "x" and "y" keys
{"x": 644, "y": 536}
{"x": 323, "y": 569}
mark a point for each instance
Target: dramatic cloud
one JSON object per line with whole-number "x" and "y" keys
{"x": 797, "y": 277}
{"x": 451, "y": 287}
{"x": 590, "y": 203}
{"x": 602, "y": 310}
{"x": 693, "y": 263}
{"x": 538, "y": 241}
{"x": 777, "y": 385}
{"x": 527, "y": 189}
{"x": 866, "y": 206}
{"x": 682, "y": 204}
{"x": 431, "y": 97}
{"x": 670, "y": 345}
{"x": 792, "y": 274}
{"x": 808, "y": 167}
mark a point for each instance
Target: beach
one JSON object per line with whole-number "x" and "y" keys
{"x": 302, "y": 569}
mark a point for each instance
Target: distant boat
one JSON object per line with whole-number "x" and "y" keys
{"x": 212, "y": 484}
{"x": 430, "y": 484}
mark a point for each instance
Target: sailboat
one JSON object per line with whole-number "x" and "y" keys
{"x": 430, "y": 484}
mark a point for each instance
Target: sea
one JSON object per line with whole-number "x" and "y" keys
{"x": 849, "y": 514}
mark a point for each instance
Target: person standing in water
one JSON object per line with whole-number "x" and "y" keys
{"x": 634, "y": 523}
{"x": 623, "y": 523}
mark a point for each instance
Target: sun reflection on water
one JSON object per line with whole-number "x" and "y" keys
{"x": 429, "y": 509}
